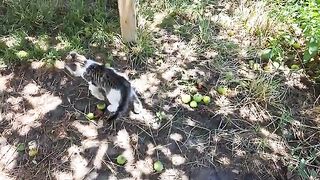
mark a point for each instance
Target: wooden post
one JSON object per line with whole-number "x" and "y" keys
{"x": 128, "y": 20}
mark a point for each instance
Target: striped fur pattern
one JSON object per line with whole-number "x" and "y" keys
{"x": 105, "y": 84}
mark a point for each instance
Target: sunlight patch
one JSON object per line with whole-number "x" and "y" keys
{"x": 173, "y": 174}
{"x": 145, "y": 82}
{"x": 5, "y": 176}
{"x": 44, "y": 103}
{"x": 15, "y": 102}
{"x": 146, "y": 117}
{"x": 177, "y": 159}
{"x": 89, "y": 131}
{"x": 151, "y": 149}
{"x": 123, "y": 139}
{"x": 225, "y": 107}
{"x": 176, "y": 137}
{"x": 294, "y": 80}
{"x": 97, "y": 162}
{"x": 8, "y": 155}
{"x": 224, "y": 160}
{"x": 3, "y": 82}
{"x": 78, "y": 164}
{"x": 37, "y": 64}
{"x": 59, "y": 175}
{"x": 10, "y": 41}
{"x": 24, "y": 122}
{"x": 31, "y": 89}
{"x": 253, "y": 114}
{"x": 170, "y": 73}
{"x": 277, "y": 147}
{"x": 59, "y": 64}
{"x": 145, "y": 166}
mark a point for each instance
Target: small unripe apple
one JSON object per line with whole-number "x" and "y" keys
{"x": 206, "y": 100}
{"x": 186, "y": 98}
{"x": 193, "y": 104}
{"x": 90, "y": 116}
{"x": 101, "y": 106}
{"x": 197, "y": 98}
{"x": 158, "y": 166}
{"x": 121, "y": 160}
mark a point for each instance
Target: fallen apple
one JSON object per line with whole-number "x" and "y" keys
{"x": 101, "y": 106}
{"x": 121, "y": 160}
{"x": 186, "y": 98}
{"x": 90, "y": 116}
{"x": 21, "y": 147}
{"x": 193, "y": 104}
{"x": 222, "y": 90}
{"x": 197, "y": 97}
{"x": 33, "y": 152}
{"x": 206, "y": 100}
{"x": 158, "y": 166}
{"x": 22, "y": 54}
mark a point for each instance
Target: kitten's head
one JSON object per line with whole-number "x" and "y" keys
{"x": 75, "y": 63}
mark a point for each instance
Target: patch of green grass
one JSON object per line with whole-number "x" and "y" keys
{"x": 300, "y": 42}
{"x": 48, "y": 29}
{"x": 141, "y": 50}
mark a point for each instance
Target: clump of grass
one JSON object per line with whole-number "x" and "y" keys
{"x": 265, "y": 89}
{"x": 144, "y": 48}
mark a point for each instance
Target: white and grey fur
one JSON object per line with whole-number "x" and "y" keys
{"x": 105, "y": 83}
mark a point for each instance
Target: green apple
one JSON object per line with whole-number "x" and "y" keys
{"x": 158, "y": 166}
{"x": 193, "y": 104}
{"x": 296, "y": 45}
{"x": 101, "y": 106}
{"x": 222, "y": 90}
{"x": 22, "y": 54}
{"x": 33, "y": 152}
{"x": 206, "y": 100}
{"x": 21, "y": 147}
{"x": 295, "y": 67}
{"x": 197, "y": 97}
{"x": 121, "y": 160}
{"x": 186, "y": 98}
{"x": 90, "y": 116}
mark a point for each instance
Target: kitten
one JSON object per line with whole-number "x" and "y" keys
{"x": 105, "y": 83}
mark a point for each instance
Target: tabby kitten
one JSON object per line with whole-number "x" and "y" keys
{"x": 105, "y": 83}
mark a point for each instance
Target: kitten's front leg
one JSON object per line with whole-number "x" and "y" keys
{"x": 94, "y": 90}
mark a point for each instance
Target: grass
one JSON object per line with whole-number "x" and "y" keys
{"x": 207, "y": 43}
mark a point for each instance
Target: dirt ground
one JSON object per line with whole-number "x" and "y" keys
{"x": 47, "y": 105}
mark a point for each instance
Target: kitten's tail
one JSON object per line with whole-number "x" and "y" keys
{"x": 137, "y": 105}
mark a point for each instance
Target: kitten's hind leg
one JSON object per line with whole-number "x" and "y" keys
{"x": 112, "y": 107}
{"x": 94, "y": 90}
{"x": 114, "y": 97}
